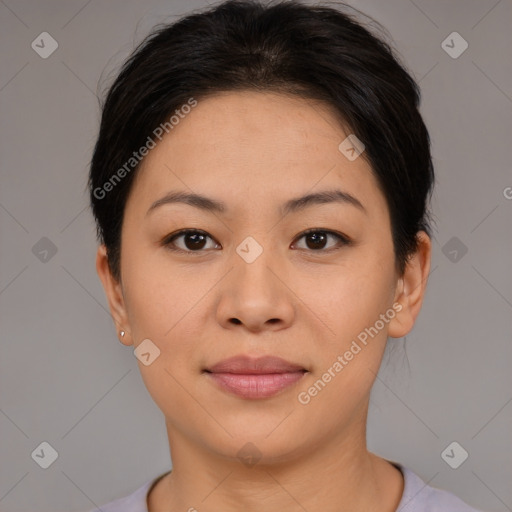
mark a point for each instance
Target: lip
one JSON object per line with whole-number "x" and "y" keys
{"x": 255, "y": 378}
{"x": 254, "y": 365}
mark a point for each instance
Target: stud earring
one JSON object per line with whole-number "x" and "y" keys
{"x": 122, "y": 333}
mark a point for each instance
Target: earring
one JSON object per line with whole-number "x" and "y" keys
{"x": 122, "y": 333}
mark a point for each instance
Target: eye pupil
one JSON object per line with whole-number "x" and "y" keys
{"x": 198, "y": 240}
{"x": 318, "y": 238}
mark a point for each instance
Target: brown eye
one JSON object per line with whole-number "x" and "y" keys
{"x": 317, "y": 239}
{"x": 190, "y": 241}
{"x": 193, "y": 240}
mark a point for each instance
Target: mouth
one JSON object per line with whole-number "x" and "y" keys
{"x": 255, "y": 378}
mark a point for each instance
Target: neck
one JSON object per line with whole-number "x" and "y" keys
{"x": 339, "y": 474}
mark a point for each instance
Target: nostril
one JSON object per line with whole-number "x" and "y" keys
{"x": 236, "y": 321}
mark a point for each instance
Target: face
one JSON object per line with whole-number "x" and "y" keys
{"x": 260, "y": 273}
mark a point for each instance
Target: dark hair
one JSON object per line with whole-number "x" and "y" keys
{"x": 315, "y": 52}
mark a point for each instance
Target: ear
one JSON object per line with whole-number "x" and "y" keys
{"x": 114, "y": 293}
{"x": 411, "y": 288}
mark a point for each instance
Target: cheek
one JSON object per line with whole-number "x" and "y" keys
{"x": 350, "y": 303}
{"x": 151, "y": 308}
{"x": 352, "y": 296}
{"x": 160, "y": 308}
{"x": 166, "y": 304}
{"x": 348, "y": 354}
{"x": 156, "y": 293}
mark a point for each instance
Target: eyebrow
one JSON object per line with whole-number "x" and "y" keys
{"x": 291, "y": 206}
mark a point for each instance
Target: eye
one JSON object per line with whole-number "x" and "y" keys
{"x": 316, "y": 239}
{"x": 193, "y": 240}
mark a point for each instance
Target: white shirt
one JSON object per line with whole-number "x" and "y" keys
{"x": 417, "y": 497}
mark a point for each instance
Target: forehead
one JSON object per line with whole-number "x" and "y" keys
{"x": 253, "y": 147}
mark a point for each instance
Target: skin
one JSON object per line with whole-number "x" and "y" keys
{"x": 254, "y": 151}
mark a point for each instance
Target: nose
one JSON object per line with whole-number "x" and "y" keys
{"x": 255, "y": 296}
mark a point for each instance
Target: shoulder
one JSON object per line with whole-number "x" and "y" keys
{"x": 420, "y": 497}
{"x": 135, "y": 502}
{"x": 417, "y": 497}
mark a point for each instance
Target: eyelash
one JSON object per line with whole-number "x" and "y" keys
{"x": 168, "y": 240}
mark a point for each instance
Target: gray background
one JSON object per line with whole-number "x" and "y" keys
{"x": 64, "y": 377}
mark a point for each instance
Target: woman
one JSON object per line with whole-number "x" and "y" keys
{"x": 260, "y": 184}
